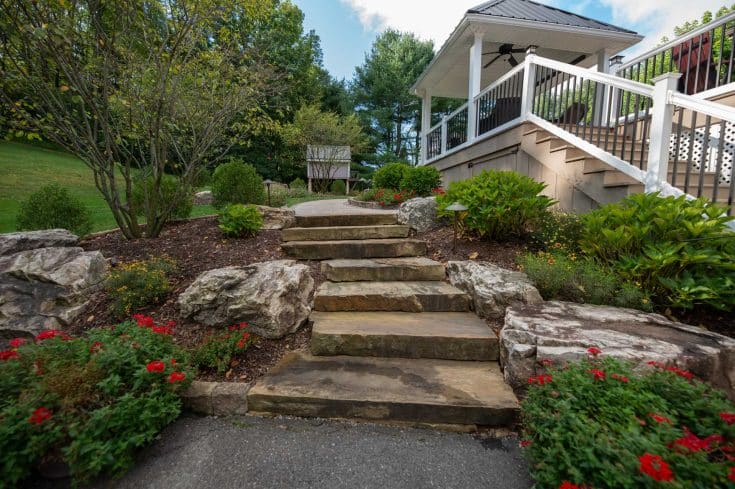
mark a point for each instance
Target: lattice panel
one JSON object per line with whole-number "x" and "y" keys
{"x": 710, "y": 159}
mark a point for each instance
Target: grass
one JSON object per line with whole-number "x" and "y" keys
{"x": 25, "y": 168}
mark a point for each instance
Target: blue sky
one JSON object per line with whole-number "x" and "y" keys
{"x": 348, "y": 27}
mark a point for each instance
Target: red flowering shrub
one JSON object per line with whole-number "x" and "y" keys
{"x": 602, "y": 424}
{"x": 95, "y": 398}
{"x": 218, "y": 350}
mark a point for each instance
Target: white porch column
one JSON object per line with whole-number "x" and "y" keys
{"x": 601, "y": 96}
{"x": 474, "y": 87}
{"x": 661, "y": 118}
{"x": 529, "y": 83}
{"x": 425, "y": 124}
{"x": 615, "y": 61}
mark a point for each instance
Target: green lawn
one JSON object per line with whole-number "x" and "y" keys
{"x": 26, "y": 168}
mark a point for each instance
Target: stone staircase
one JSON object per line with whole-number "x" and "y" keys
{"x": 391, "y": 340}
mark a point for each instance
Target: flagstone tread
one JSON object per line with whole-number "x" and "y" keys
{"x": 416, "y": 390}
{"x": 383, "y": 269}
{"x": 358, "y": 249}
{"x": 443, "y": 335}
{"x": 333, "y": 233}
{"x": 390, "y": 296}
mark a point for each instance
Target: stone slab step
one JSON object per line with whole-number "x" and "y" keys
{"x": 444, "y": 335}
{"x": 383, "y": 270}
{"x": 390, "y": 296}
{"x": 390, "y": 389}
{"x": 346, "y": 220}
{"x": 368, "y": 248}
{"x": 345, "y": 232}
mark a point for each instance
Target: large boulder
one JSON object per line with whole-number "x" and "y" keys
{"x": 46, "y": 288}
{"x": 420, "y": 214}
{"x": 562, "y": 332}
{"x": 273, "y": 297}
{"x": 30, "y": 240}
{"x": 277, "y": 217}
{"x": 203, "y": 198}
{"x": 492, "y": 288}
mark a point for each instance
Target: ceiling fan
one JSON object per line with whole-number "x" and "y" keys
{"x": 505, "y": 50}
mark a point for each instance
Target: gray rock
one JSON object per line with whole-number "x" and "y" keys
{"x": 73, "y": 268}
{"x": 562, "y": 331}
{"x": 29, "y": 240}
{"x": 274, "y": 297}
{"x": 420, "y": 214}
{"x": 277, "y": 217}
{"x": 203, "y": 198}
{"x": 217, "y": 398}
{"x": 492, "y": 288}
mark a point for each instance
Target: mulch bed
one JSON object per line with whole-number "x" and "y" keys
{"x": 439, "y": 243}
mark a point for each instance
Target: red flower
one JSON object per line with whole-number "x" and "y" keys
{"x": 397, "y": 197}
{"x": 731, "y": 475}
{"x": 594, "y": 351}
{"x": 96, "y": 346}
{"x": 16, "y": 342}
{"x": 540, "y": 380}
{"x": 655, "y": 467}
{"x": 173, "y": 362}
{"x": 52, "y": 333}
{"x": 438, "y": 191}
{"x": 8, "y": 354}
{"x": 621, "y": 378}
{"x": 156, "y": 366}
{"x": 680, "y": 372}
{"x": 692, "y": 443}
{"x": 568, "y": 485}
{"x": 144, "y": 321}
{"x": 164, "y": 330}
{"x": 40, "y": 415}
{"x": 659, "y": 419}
{"x": 728, "y": 418}
{"x": 656, "y": 364}
{"x": 597, "y": 374}
{"x": 171, "y": 324}
{"x": 525, "y": 443}
{"x": 176, "y": 377}
{"x": 546, "y": 362}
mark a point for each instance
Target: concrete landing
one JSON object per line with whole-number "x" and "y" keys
{"x": 383, "y": 270}
{"x": 442, "y": 335}
{"x": 368, "y": 248}
{"x": 344, "y": 233}
{"x": 429, "y": 391}
{"x": 390, "y": 296}
{"x": 326, "y": 220}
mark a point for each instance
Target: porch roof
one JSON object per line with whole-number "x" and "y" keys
{"x": 558, "y": 34}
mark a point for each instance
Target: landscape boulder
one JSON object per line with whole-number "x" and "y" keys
{"x": 492, "y": 288}
{"x": 11, "y": 243}
{"x": 277, "y": 217}
{"x": 273, "y": 297}
{"x": 562, "y": 332}
{"x": 203, "y": 198}
{"x": 420, "y": 214}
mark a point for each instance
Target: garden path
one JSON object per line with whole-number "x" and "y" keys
{"x": 334, "y": 207}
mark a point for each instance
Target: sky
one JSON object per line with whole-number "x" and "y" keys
{"x": 348, "y": 27}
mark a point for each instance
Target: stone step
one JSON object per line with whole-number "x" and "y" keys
{"x": 390, "y": 296}
{"x": 383, "y": 270}
{"x": 385, "y": 218}
{"x": 368, "y": 248}
{"x": 345, "y": 232}
{"x": 444, "y": 335}
{"x": 386, "y": 389}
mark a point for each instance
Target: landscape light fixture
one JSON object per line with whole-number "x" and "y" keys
{"x": 268, "y": 183}
{"x": 456, "y": 208}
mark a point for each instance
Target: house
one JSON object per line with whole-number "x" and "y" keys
{"x": 328, "y": 163}
{"x": 549, "y": 96}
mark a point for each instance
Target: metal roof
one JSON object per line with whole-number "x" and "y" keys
{"x": 538, "y": 12}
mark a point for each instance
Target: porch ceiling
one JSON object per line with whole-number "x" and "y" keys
{"x": 448, "y": 73}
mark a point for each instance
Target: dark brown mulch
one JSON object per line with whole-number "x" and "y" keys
{"x": 439, "y": 244}
{"x": 712, "y": 320}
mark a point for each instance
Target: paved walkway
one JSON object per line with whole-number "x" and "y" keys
{"x": 337, "y": 207}
{"x": 224, "y": 453}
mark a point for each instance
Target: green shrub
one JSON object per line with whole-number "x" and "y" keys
{"x": 94, "y": 399}
{"x": 558, "y": 230}
{"x": 594, "y": 422}
{"x": 390, "y": 175}
{"x": 297, "y": 192}
{"x": 421, "y": 180}
{"x": 217, "y": 350}
{"x": 169, "y": 186}
{"x": 137, "y": 284}
{"x": 501, "y": 204}
{"x": 571, "y": 278}
{"x": 238, "y": 221}
{"x": 279, "y": 195}
{"x": 367, "y": 195}
{"x": 236, "y": 183}
{"x": 297, "y": 183}
{"x": 680, "y": 251}
{"x": 52, "y": 206}
{"x": 338, "y": 187}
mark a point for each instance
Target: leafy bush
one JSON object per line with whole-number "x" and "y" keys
{"x": 338, "y": 187}
{"x": 52, "y": 206}
{"x": 570, "y": 278}
{"x": 421, "y": 180}
{"x": 169, "y": 186}
{"x": 367, "y": 195}
{"x": 297, "y": 192}
{"x": 138, "y": 283}
{"x": 217, "y": 350}
{"x": 239, "y": 220}
{"x": 678, "y": 250}
{"x": 600, "y": 423}
{"x": 235, "y": 182}
{"x": 558, "y": 230}
{"x": 297, "y": 183}
{"x": 92, "y": 400}
{"x": 390, "y": 175}
{"x": 279, "y": 195}
{"x": 501, "y": 204}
